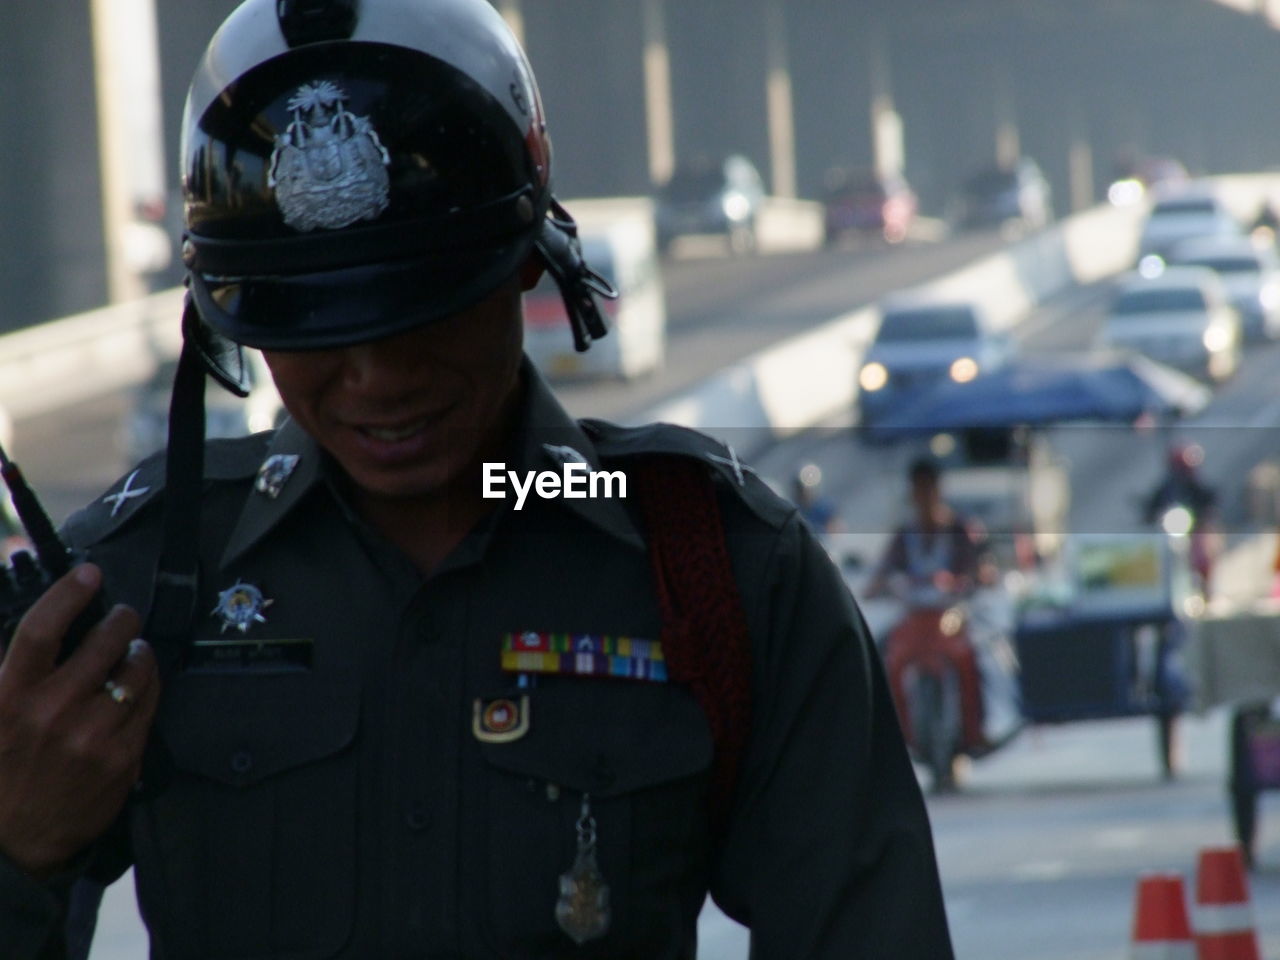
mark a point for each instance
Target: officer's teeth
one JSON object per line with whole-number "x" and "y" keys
{"x": 392, "y": 435}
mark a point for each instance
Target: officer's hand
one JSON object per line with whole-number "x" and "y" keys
{"x": 70, "y": 749}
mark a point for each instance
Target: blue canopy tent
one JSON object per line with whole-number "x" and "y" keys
{"x": 1116, "y": 387}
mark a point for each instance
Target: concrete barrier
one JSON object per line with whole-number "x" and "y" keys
{"x": 804, "y": 380}
{"x": 54, "y": 365}
{"x": 789, "y": 224}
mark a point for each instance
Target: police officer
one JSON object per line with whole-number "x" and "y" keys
{"x": 380, "y": 711}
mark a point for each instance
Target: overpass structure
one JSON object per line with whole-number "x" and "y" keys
{"x": 631, "y": 87}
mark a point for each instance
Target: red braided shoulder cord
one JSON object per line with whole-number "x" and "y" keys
{"x": 704, "y": 627}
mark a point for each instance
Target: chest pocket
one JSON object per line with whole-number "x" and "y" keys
{"x": 643, "y": 753}
{"x": 250, "y": 852}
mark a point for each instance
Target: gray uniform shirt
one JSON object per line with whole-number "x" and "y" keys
{"x": 356, "y": 775}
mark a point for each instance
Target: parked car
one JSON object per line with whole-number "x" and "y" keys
{"x": 919, "y": 343}
{"x": 707, "y": 197}
{"x": 1250, "y": 275}
{"x": 618, "y": 243}
{"x": 1180, "y": 317}
{"x": 864, "y": 202}
{"x": 1182, "y": 214}
{"x": 1015, "y": 198}
{"x": 145, "y": 429}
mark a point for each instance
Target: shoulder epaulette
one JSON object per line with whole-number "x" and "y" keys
{"x": 225, "y": 460}
{"x": 615, "y": 442}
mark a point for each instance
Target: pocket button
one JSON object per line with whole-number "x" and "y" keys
{"x": 417, "y": 818}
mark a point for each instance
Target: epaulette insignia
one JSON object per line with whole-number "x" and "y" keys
{"x": 732, "y": 461}
{"x": 126, "y": 493}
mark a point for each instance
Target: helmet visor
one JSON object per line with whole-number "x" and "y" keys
{"x": 335, "y": 308}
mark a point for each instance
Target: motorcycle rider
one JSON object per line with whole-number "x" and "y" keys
{"x": 934, "y": 560}
{"x": 1182, "y": 486}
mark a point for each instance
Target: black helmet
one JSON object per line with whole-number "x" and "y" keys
{"x": 353, "y": 169}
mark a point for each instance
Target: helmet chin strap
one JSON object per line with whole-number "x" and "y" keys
{"x": 173, "y": 600}
{"x": 579, "y": 285}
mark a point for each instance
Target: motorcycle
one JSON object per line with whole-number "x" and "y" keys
{"x": 934, "y": 679}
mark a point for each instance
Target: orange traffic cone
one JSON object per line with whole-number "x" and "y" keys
{"x": 1223, "y": 913}
{"x": 1161, "y": 930}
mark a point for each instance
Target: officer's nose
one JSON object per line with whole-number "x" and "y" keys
{"x": 377, "y": 365}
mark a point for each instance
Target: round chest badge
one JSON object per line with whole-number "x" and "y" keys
{"x": 500, "y": 720}
{"x": 240, "y": 606}
{"x": 500, "y": 716}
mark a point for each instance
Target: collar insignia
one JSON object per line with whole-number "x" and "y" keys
{"x": 563, "y": 454}
{"x": 240, "y": 606}
{"x": 328, "y": 169}
{"x": 275, "y": 473}
{"x": 127, "y": 492}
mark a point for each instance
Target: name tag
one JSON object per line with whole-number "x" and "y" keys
{"x": 284, "y": 655}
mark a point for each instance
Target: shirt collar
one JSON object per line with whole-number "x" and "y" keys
{"x": 262, "y": 511}
{"x": 545, "y": 437}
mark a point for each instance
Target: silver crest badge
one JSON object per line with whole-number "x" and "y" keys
{"x": 240, "y": 606}
{"x": 275, "y": 473}
{"x": 328, "y": 169}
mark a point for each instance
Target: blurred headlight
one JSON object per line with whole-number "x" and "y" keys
{"x": 964, "y": 369}
{"x": 736, "y": 206}
{"x": 873, "y": 377}
{"x": 1177, "y": 521}
{"x": 1217, "y": 338}
{"x": 1125, "y": 193}
{"x": 1152, "y": 265}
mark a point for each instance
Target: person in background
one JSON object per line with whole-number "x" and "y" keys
{"x": 934, "y": 560}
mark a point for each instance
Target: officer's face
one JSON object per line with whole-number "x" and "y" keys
{"x": 412, "y": 415}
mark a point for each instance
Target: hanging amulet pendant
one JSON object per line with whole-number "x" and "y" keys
{"x": 583, "y": 908}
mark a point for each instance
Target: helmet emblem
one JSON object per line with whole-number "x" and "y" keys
{"x": 328, "y": 169}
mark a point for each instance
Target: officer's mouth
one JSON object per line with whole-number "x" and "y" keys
{"x": 400, "y": 439}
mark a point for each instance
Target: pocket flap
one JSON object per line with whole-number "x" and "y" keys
{"x": 607, "y": 737}
{"x": 241, "y": 730}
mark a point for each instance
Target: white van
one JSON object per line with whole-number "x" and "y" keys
{"x": 618, "y": 241}
{"x": 1180, "y": 317}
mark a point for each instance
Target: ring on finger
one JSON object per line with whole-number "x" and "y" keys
{"x": 118, "y": 692}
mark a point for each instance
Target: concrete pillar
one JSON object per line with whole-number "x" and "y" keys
{"x": 130, "y": 152}
{"x": 1080, "y": 170}
{"x": 778, "y": 102}
{"x": 1008, "y": 143}
{"x": 51, "y": 258}
{"x": 659, "y": 112}
{"x": 888, "y": 144}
